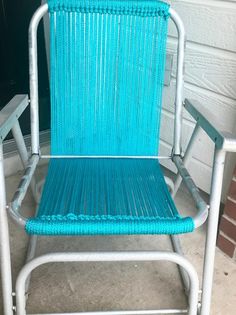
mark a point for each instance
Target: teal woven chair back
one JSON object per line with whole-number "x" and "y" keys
{"x": 107, "y": 68}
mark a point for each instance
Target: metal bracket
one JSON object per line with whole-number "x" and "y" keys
{"x": 202, "y": 206}
{"x": 11, "y": 113}
{"x": 211, "y": 125}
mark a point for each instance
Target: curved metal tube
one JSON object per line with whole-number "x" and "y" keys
{"x": 179, "y": 80}
{"x": 33, "y": 77}
{"x": 16, "y": 216}
{"x": 109, "y": 257}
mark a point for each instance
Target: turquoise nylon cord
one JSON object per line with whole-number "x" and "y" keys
{"x": 107, "y": 74}
{"x": 106, "y": 196}
{"x": 92, "y": 227}
{"x": 106, "y": 80}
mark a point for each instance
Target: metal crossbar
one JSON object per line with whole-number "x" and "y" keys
{"x": 155, "y": 157}
{"x": 136, "y": 312}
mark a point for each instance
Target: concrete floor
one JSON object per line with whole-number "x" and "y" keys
{"x": 113, "y": 286}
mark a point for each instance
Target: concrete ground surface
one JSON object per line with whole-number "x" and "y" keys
{"x": 75, "y": 287}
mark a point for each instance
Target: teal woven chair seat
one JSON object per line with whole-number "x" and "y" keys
{"x": 106, "y": 197}
{"x": 107, "y": 61}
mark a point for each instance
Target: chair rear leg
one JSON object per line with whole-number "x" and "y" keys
{"x": 30, "y": 255}
{"x": 5, "y": 256}
{"x": 175, "y": 241}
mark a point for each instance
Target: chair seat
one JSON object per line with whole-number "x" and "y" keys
{"x": 106, "y": 196}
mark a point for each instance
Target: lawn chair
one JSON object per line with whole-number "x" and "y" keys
{"x": 107, "y": 62}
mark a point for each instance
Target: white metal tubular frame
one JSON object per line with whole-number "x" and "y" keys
{"x": 15, "y": 205}
{"x": 223, "y": 143}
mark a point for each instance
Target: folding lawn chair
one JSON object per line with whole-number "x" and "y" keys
{"x": 107, "y": 61}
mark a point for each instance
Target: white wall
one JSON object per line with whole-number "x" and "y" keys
{"x": 210, "y": 77}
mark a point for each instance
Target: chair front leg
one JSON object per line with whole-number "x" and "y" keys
{"x": 209, "y": 257}
{"x": 5, "y": 256}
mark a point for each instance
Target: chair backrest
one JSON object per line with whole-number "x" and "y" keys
{"x": 107, "y": 61}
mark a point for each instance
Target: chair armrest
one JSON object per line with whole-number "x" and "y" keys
{"x": 11, "y": 113}
{"x": 22, "y": 189}
{"x": 202, "y": 206}
{"x": 211, "y": 125}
